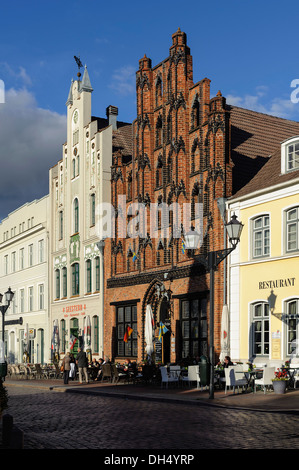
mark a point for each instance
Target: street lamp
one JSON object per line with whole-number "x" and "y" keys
{"x": 3, "y": 308}
{"x": 211, "y": 261}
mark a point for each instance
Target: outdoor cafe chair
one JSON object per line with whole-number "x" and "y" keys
{"x": 296, "y": 378}
{"x": 117, "y": 375}
{"x": 167, "y": 378}
{"x": 193, "y": 376}
{"x": 106, "y": 372}
{"x": 41, "y": 373}
{"x": 231, "y": 380}
{"x": 266, "y": 379}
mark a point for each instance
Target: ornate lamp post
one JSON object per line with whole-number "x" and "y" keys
{"x": 211, "y": 261}
{"x": 3, "y": 308}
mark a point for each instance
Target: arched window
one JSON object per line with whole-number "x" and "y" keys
{"x": 57, "y": 284}
{"x": 97, "y": 273}
{"x": 195, "y": 112}
{"x": 260, "y": 329}
{"x": 159, "y": 132}
{"x": 95, "y": 329}
{"x": 159, "y": 90}
{"x": 261, "y": 236}
{"x": 292, "y": 229}
{"x": 64, "y": 282}
{"x": 88, "y": 277}
{"x": 75, "y": 279}
{"x": 73, "y": 168}
{"x": 92, "y": 210}
{"x": 76, "y": 216}
{"x": 159, "y": 181}
{"x": 292, "y": 326}
{"x": 78, "y": 165}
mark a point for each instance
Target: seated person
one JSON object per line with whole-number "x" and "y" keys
{"x": 99, "y": 374}
{"x": 227, "y": 362}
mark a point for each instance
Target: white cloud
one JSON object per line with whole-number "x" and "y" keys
{"x": 31, "y": 142}
{"x": 124, "y": 80}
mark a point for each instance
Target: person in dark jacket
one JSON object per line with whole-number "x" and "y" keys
{"x": 82, "y": 363}
{"x": 227, "y": 362}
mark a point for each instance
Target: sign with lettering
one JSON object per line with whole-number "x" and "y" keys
{"x": 289, "y": 282}
{"x": 74, "y": 310}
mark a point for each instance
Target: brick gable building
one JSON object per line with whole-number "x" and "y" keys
{"x": 183, "y": 148}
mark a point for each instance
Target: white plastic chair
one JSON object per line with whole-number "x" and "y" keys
{"x": 166, "y": 378}
{"x": 193, "y": 376}
{"x": 231, "y": 380}
{"x": 175, "y": 371}
{"x": 266, "y": 380}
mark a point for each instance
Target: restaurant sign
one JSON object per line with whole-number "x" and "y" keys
{"x": 74, "y": 310}
{"x": 289, "y": 282}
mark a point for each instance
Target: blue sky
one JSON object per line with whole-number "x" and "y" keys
{"x": 247, "y": 49}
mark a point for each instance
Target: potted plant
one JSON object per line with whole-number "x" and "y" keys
{"x": 280, "y": 381}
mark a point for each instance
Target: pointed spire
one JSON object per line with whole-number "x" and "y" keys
{"x": 85, "y": 84}
{"x": 70, "y": 97}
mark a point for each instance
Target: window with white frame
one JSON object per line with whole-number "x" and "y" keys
{"x": 13, "y": 262}
{"x": 292, "y": 156}
{"x": 292, "y": 229}
{"x": 260, "y": 329}
{"x": 292, "y": 325}
{"x": 30, "y": 299}
{"x": 21, "y": 258}
{"x": 41, "y": 296}
{"x": 30, "y": 255}
{"x": 6, "y": 264}
{"x": 22, "y": 300}
{"x": 41, "y": 251}
{"x": 261, "y": 236}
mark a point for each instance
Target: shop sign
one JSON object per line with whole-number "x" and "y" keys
{"x": 289, "y": 282}
{"x": 31, "y": 333}
{"x": 74, "y": 310}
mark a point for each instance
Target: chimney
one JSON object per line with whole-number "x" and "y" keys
{"x": 111, "y": 113}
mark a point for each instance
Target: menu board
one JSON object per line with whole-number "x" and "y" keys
{"x": 158, "y": 350}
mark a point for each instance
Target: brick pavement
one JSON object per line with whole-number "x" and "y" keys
{"x": 54, "y": 416}
{"x": 289, "y": 402}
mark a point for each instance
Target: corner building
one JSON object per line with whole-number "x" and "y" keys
{"x": 186, "y": 148}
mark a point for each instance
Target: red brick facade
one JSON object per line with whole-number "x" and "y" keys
{"x": 180, "y": 154}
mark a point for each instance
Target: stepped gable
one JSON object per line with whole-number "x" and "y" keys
{"x": 255, "y": 136}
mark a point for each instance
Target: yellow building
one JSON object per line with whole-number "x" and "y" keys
{"x": 263, "y": 273}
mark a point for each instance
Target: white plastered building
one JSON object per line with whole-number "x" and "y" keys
{"x": 24, "y": 240}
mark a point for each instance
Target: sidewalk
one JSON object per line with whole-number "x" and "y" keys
{"x": 287, "y": 403}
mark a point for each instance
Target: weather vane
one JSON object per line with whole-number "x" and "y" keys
{"x": 79, "y": 63}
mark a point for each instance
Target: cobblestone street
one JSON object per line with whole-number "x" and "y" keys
{"x": 52, "y": 420}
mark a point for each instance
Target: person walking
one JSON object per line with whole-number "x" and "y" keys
{"x": 82, "y": 365}
{"x": 72, "y": 374}
{"x": 66, "y": 362}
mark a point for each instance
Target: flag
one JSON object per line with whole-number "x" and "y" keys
{"x": 128, "y": 332}
{"x": 183, "y": 247}
{"x": 134, "y": 256}
{"x": 162, "y": 331}
{"x": 72, "y": 342}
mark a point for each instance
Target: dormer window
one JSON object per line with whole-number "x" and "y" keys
{"x": 290, "y": 155}
{"x": 293, "y": 156}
